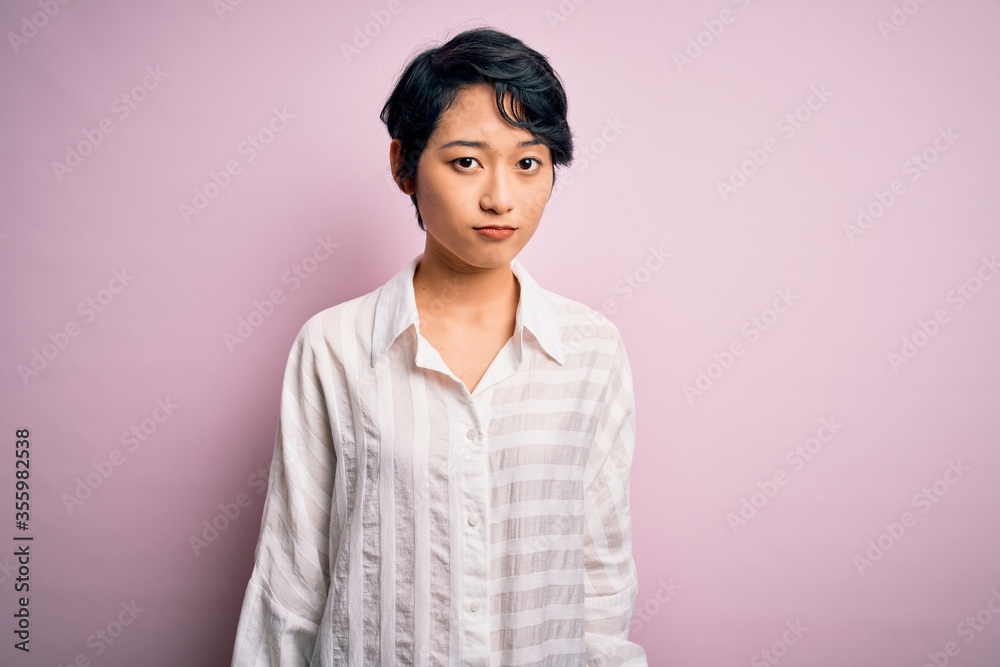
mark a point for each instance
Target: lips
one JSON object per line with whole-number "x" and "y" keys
{"x": 495, "y": 232}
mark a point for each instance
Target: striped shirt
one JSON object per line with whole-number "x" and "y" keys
{"x": 411, "y": 522}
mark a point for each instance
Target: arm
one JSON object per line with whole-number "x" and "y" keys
{"x": 611, "y": 583}
{"x": 287, "y": 592}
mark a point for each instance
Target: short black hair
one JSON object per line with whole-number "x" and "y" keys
{"x": 431, "y": 82}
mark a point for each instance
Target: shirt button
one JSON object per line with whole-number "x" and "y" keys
{"x": 472, "y": 434}
{"x": 473, "y": 519}
{"x": 474, "y": 605}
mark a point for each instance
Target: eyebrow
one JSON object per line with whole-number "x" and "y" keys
{"x": 483, "y": 146}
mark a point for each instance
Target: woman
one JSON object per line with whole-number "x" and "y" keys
{"x": 450, "y": 475}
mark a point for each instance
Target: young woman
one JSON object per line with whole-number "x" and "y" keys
{"x": 451, "y": 469}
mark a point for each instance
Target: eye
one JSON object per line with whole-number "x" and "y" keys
{"x": 529, "y": 164}
{"x": 465, "y": 163}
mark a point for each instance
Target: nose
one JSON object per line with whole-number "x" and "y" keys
{"x": 498, "y": 195}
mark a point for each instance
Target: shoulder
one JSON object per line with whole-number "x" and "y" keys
{"x": 347, "y": 323}
{"x": 583, "y": 327}
{"x": 579, "y": 326}
{"x": 594, "y": 351}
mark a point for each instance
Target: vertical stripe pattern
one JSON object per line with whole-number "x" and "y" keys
{"x": 411, "y": 522}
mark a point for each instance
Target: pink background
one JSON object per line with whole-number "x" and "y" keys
{"x": 662, "y": 134}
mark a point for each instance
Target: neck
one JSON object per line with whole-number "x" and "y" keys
{"x": 443, "y": 287}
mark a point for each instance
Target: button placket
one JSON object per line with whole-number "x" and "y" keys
{"x": 475, "y": 488}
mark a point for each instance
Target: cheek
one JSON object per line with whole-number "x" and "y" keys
{"x": 535, "y": 200}
{"x": 442, "y": 193}
{"x": 428, "y": 198}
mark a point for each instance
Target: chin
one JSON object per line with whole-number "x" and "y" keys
{"x": 470, "y": 249}
{"x": 486, "y": 260}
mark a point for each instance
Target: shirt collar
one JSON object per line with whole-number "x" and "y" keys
{"x": 396, "y": 311}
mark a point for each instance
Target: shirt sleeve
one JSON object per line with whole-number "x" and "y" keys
{"x": 611, "y": 586}
{"x": 286, "y": 596}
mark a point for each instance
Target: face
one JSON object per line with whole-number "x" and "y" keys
{"x": 478, "y": 173}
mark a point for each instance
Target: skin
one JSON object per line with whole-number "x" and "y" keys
{"x": 466, "y": 293}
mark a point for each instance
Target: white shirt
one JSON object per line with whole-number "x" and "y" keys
{"x": 411, "y": 522}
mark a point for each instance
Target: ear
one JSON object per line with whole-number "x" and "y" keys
{"x": 395, "y": 161}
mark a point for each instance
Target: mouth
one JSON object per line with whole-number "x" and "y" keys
{"x": 495, "y": 232}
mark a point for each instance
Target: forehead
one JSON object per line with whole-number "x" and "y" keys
{"x": 474, "y": 115}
